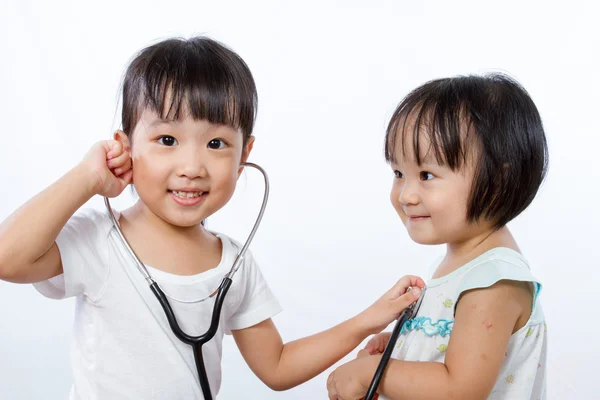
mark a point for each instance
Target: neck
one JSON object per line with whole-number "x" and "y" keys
{"x": 140, "y": 215}
{"x": 460, "y": 252}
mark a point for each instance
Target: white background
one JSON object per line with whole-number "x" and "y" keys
{"x": 329, "y": 75}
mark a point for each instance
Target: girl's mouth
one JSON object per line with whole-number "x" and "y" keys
{"x": 185, "y": 194}
{"x": 187, "y": 198}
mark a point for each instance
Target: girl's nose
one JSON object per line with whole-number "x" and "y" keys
{"x": 409, "y": 194}
{"x": 192, "y": 164}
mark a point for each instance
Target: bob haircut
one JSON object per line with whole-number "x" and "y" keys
{"x": 490, "y": 117}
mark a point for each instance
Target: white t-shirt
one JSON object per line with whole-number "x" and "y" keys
{"x": 123, "y": 346}
{"x": 426, "y": 337}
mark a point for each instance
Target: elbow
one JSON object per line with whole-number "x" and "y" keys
{"x": 278, "y": 385}
{"x": 7, "y": 276}
{"x": 278, "y": 388}
{"x": 7, "y": 271}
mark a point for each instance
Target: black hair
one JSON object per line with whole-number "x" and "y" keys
{"x": 210, "y": 79}
{"x": 491, "y": 117}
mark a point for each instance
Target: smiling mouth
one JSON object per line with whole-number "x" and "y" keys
{"x": 185, "y": 194}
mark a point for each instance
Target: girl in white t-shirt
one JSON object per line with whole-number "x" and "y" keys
{"x": 468, "y": 154}
{"x": 188, "y": 112}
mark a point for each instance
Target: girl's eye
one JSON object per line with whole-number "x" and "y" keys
{"x": 167, "y": 141}
{"x": 398, "y": 174}
{"x": 426, "y": 176}
{"x": 216, "y": 144}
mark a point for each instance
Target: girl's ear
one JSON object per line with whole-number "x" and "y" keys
{"x": 246, "y": 152}
{"x": 121, "y": 137}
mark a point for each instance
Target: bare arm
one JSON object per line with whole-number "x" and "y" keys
{"x": 27, "y": 249}
{"x": 484, "y": 322}
{"x": 283, "y": 366}
{"x": 28, "y": 252}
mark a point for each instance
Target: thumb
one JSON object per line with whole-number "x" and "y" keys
{"x": 126, "y": 179}
{"x": 403, "y": 284}
{"x": 370, "y": 347}
{"x": 407, "y": 298}
{"x": 416, "y": 292}
{"x": 372, "y": 344}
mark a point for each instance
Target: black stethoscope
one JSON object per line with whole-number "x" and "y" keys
{"x": 197, "y": 341}
{"x": 409, "y": 312}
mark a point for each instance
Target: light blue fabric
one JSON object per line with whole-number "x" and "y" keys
{"x": 497, "y": 269}
{"x": 442, "y": 327}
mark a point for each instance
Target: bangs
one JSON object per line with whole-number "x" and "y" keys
{"x": 436, "y": 121}
{"x": 198, "y": 78}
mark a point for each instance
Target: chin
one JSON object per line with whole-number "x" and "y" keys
{"x": 182, "y": 220}
{"x": 425, "y": 240}
{"x": 188, "y": 221}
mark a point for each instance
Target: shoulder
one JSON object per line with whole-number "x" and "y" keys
{"x": 89, "y": 217}
{"x": 500, "y": 280}
{"x": 502, "y": 293}
{"x": 499, "y": 265}
{"x": 86, "y": 228}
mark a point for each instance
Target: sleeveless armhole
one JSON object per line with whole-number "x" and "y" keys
{"x": 492, "y": 271}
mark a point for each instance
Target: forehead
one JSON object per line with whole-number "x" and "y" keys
{"x": 151, "y": 122}
{"x": 411, "y": 141}
{"x": 428, "y": 137}
{"x": 177, "y": 100}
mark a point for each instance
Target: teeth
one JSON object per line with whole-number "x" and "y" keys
{"x": 187, "y": 195}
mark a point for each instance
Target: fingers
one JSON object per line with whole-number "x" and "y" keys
{"x": 331, "y": 392}
{"x": 377, "y": 343}
{"x": 113, "y": 148}
{"x": 116, "y": 158}
{"x": 120, "y": 161}
{"x": 120, "y": 169}
{"x": 406, "y": 299}
{"x": 373, "y": 345}
{"x": 126, "y": 178}
{"x": 404, "y": 283}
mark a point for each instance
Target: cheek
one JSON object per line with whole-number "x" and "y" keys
{"x": 223, "y": 190}
{"x": 140, "y": 167}
{"x": 395, "y": 196}
{"x": 225, "y": 178}
{"x": 449, "y": 211}
{"x": 144, "y": 171}
{"x": 395, "y": 200}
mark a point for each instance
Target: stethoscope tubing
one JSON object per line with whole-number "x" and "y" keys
{"x": 197, "y": 341}
{"x": 408, "y": 313}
